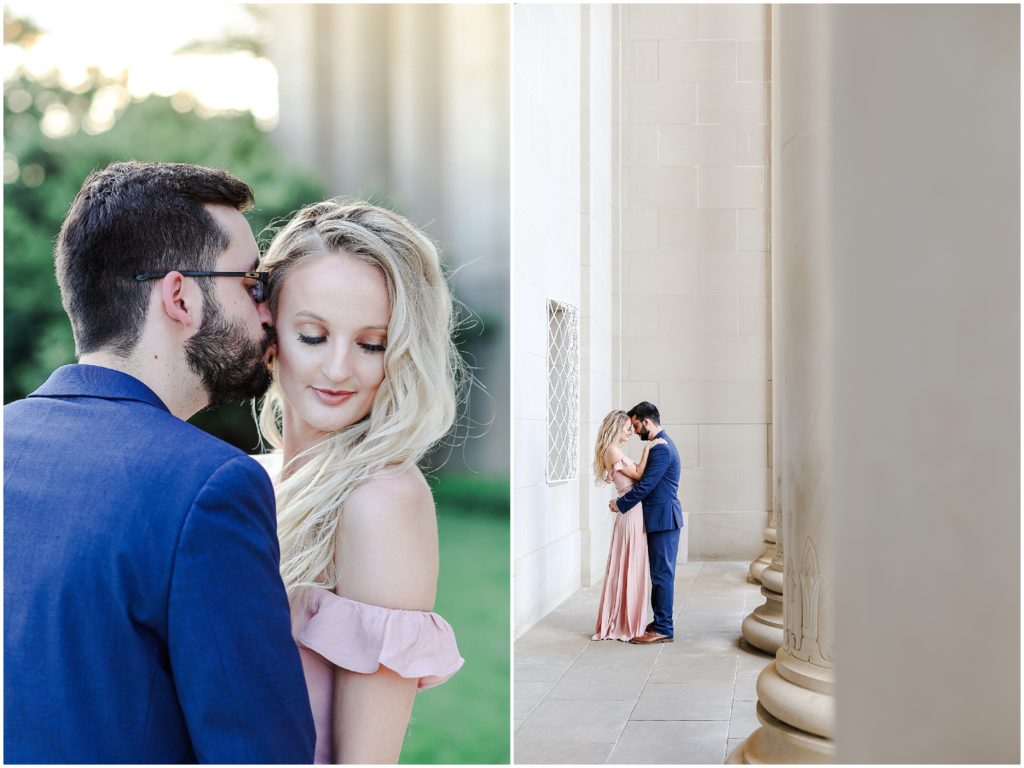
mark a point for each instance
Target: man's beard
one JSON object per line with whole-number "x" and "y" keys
{"x": 230, "y": 364}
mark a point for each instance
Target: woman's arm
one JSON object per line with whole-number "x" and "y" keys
{"x": 386, "y": 555}
{"x": 371, "y": 713}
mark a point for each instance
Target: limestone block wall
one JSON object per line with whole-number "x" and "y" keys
{"x": 546, "y": 251}
{"x": 693, "y": 287}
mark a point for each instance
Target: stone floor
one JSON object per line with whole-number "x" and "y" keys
{"x": 691, "y": 701}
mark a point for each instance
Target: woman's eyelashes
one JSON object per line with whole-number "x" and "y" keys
{"x": 366, "y": 346}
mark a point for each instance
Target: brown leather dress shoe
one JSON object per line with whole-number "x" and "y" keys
{"x": 650, "y": 638}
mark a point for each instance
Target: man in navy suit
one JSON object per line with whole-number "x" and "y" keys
{"x": 658, "y": 491}
{"x": 145, "y": 620}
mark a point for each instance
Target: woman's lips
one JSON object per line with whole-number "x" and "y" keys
{"x": 332, "y": 396}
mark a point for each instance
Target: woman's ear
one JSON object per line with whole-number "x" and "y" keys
{"x": 178, "y": 302}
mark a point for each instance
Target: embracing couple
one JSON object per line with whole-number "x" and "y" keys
{"x": 160, "y": 605}
{"x": 645, "y": 537}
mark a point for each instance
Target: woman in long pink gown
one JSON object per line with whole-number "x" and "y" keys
{"x": 622, "y": 611}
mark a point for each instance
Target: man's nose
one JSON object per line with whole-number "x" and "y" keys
{"x": 263, "y": 312}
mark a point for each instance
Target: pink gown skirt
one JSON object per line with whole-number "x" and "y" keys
{"x": 622, "y": 612}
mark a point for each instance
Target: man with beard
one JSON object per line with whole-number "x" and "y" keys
{"x": 658, "y": 490}
{"x": 145, "y": 620}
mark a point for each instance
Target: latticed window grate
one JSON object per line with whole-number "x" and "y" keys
{"x": 563, "y": 391}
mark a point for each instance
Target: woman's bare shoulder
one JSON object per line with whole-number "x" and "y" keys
{"x": 398, "y": 494}
{"x": 613, "y": 454}
{"x": 387, "y": 547}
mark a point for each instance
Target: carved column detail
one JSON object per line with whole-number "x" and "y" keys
{"x": 796, "y": 692}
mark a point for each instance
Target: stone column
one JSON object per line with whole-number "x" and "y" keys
{"x": 763, "y": 628}
{"x": 413, "y": 120}
{"x": 758, "y": 565}
{"x": 926, "y": 436}
{"x": 796, "y": 692}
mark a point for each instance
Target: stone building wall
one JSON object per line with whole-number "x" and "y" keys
{"x": 643, "y": 129}
{"x": 694, "y": 288}
{"x": 546, "y": 260}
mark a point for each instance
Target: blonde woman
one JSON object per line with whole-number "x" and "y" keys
{"x": 365, "y": 376}
{"x": 623, "y": 606}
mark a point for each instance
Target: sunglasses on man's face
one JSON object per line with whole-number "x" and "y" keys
{"x": 258, "y": 290}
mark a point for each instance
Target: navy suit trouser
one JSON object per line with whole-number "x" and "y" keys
{"x": 662, "y": 548}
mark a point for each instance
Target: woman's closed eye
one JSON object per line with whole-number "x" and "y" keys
{"x": 369, "y": 347}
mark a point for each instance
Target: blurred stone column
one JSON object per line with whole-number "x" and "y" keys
{"x": 361, "y": 59}
{"x": 796, "y": 692}
{"x": 412, "y": 111}
{"x": 473, "y": 188}
{"x": 333, "y": 63}
{"x": 926, "y": 243}
{"x": 300, "y": 90}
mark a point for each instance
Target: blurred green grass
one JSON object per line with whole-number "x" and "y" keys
{"x": 467, "y": 719}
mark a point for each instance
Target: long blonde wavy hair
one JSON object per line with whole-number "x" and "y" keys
{"x": 415, "y": 404}
{"x": 607, "y": 434}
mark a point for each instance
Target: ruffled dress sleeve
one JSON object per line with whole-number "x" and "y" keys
{"x": 362, "y": 638}
{"x": 609, "y": 474}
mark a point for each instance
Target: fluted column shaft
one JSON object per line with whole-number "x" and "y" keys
{"x": 796, "y": 692}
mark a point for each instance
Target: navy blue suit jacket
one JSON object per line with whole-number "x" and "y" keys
{"x": 145, "y": 620}
{"x": 658, "y": 489}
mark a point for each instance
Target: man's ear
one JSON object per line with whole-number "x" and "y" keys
{"x": 179, "y": 303}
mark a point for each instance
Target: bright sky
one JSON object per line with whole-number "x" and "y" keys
{"x": 140, "y": 38}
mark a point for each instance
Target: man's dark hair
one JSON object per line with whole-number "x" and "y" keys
{"x": 645, "y": 410}
{"x": 131, "y": 218}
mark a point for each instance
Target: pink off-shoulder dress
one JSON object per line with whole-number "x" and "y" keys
{"x": 336, "y": 632}
{"x": 333, "y": 631}
{"x": 622, "y": 612}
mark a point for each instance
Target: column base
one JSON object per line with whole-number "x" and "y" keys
{"x": 758, "y": 565}
{"x": 776, "y": 742}
{"x": 796, "y": 709}
{"x": 800, "y": 694}
{"x": 763, "y": 628}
